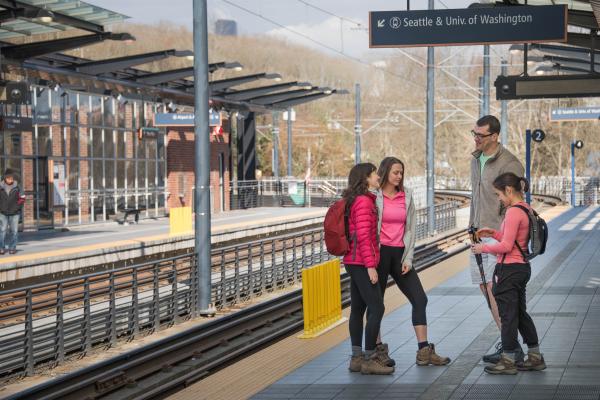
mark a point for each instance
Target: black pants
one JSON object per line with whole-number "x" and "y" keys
{"x": 390, "y": 263}
{"x": 364, "y": 295}
{"x": 509, "y": 283}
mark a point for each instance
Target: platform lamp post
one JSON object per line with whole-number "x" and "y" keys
{"x": 575, "y": 144}
{"x": 202, "y": 161}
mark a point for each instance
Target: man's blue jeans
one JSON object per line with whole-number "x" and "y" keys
{"x": 9, "y": 226}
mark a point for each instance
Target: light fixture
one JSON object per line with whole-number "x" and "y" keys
{"x": 275, "y": 77}
{"x": 39, "y": 15}
{"x": 190, "y": 57}
{"x": 516, "y": 49}
{"x": 328, "y": 91}
{"x": 578, "y": 144}
{"x": 304, "y": 85}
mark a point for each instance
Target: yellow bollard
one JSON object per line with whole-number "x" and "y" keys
{"x": 180, "y": 220}
{"x": 321, "y": 298}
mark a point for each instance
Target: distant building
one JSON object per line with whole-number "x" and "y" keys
{"x": 226, "y": 27}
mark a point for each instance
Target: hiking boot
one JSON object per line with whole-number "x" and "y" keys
{"x": 494, "y": 357}
{"x": 384, "y": 354}
{"x": 505, "y": 366}
{"x": 427, "y": 355}
{"x": 355, "y": 363}
{"x": 374, "y": 366}
{"x": 534, "y": 362}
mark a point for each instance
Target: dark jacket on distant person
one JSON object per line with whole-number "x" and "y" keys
{"x": 11, "y": 200}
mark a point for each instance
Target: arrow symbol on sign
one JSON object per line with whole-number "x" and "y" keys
{"x": 380, "y": 23}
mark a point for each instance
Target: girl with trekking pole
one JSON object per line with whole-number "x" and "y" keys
{"x": 396, "y": 227}
{"x": 511, "y": 274}
{"x": 360, "y": 262}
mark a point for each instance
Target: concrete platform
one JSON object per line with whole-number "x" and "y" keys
{"x": 564, "y": 301}
{"x": 54, "y": 252}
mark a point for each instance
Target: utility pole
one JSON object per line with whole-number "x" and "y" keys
{"x": 357, "y": 126}
{"x": 202, "y": 160}
{"x": 430, "y": 138}
{"x": 289, "y": 139}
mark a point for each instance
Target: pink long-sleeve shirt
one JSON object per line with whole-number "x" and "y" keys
{"x": 514, "y": 227}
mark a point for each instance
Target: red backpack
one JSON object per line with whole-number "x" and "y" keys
{"x": 336, "y": 229}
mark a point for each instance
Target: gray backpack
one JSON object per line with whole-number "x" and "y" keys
{"x": 538, "y": 235}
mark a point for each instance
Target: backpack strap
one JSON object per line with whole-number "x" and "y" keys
{"x": 518, "y": 246}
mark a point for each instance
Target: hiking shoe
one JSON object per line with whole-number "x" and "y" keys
{"x": 384, "y": 354}
{"x": 2, "y": 252}
{"x": 494, "y": 358}
{"x": 374, "y": 366}
{"x": 505, "y": 366}
{"x": 356, "y": 363}
{"x": 12, "y": 252}
{"x": 427, "y": 355}
{"x": 534, "y": 362}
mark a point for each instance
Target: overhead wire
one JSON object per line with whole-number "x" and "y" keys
{"x": 355, "y": 59}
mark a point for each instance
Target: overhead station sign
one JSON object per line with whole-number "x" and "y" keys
{"x": 459, "y": 27}
{"x": 185, "y": 119}
{"x": 575, "y": 114}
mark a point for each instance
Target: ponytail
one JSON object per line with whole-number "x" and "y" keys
{"x": 508, "y": 179}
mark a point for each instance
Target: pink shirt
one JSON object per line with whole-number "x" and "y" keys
{"x": 393, "y": 220}
{"x": 514, "y": 227}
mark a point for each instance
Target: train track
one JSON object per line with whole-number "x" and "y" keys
{"x": 179, "y": 360}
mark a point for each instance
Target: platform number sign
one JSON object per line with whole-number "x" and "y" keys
{"x": 538, "y": 135}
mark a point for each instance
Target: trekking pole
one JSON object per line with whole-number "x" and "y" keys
{"x": 475, "y": 239}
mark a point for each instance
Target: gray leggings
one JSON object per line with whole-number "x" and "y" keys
{"x": 410, "y": 284}
{"x": 364, "y": 296}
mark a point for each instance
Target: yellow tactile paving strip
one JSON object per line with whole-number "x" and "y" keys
{"x": 260, "y": 370}
{"x": 155, "y": 238}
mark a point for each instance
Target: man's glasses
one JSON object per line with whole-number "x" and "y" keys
{"x": 480, "y": 135}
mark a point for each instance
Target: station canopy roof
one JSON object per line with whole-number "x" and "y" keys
{"x": 44, "y": 62}
{"x": 31, "y": 17}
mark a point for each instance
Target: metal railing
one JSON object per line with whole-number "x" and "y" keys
{"x": 298, "y": 193}
{"x": 46, "y": 323}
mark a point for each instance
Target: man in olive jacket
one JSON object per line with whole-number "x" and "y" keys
{"x": 11, "y": 202}
{"x": 490, "y": 159}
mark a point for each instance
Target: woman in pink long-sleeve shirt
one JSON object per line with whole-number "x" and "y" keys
{"x": 511, "y": 275}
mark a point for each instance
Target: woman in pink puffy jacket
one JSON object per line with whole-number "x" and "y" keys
{"x": 361, "y": 262}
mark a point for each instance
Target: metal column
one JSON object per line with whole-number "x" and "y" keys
{"x": 276, "y": 144}
{"x": 573, "y": 174}
{"x": 486, "y": 80}
{"x": 504, "y": 110}
{"x": 430, "y": 138}
{"x": 202, "y": 159}
{"x": 357, "y": 126}
{"x": 528, "y": 163}
{"x": 289, "y": 140}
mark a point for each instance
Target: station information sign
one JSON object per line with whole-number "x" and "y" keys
{"x": 470, "y": 26}
{"x": 184, "y": 119}
{"x": 575, "y": 113}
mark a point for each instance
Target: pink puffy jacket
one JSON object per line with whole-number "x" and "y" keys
{"x": 364, "y": 244}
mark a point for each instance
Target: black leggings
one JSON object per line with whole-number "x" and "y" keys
{"x": 410, "y": 284}
{"x": 364, "y": 295}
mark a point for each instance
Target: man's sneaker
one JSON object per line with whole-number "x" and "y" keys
{"x": 384, "y": 354}
{"x": 505, "y": 366}
{"x": 534, "y": 362}
{"x": 427, "y": 355}
{"x": 494, "y": 357}
{"x": 356, "y": 363}
{"x": 374, "y": 366}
